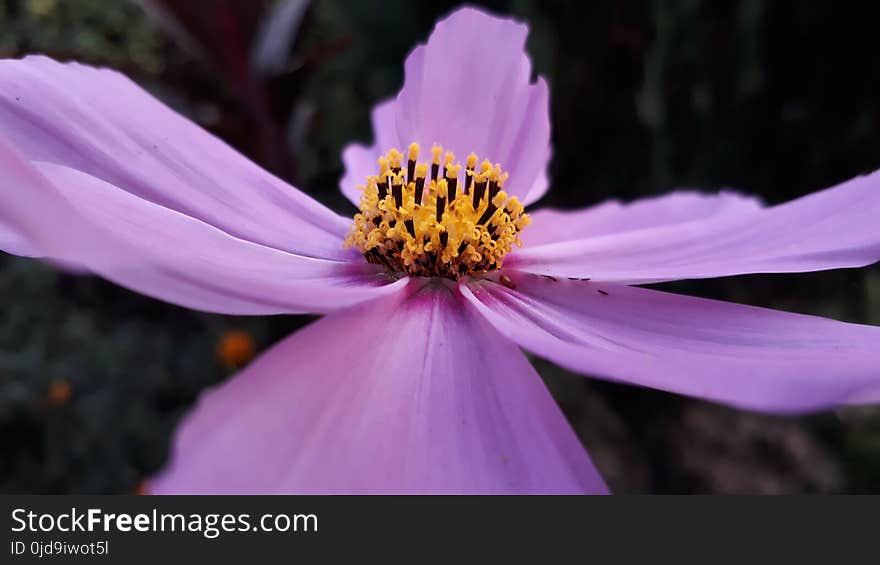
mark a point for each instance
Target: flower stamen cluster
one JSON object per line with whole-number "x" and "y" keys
{"x": 424, "y": 224}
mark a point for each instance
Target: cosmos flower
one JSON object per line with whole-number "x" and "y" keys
{"x": 414, "y": 381}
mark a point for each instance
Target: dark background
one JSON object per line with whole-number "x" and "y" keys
{"x": 773, "y": 98}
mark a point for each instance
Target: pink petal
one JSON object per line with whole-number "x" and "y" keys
{"x": 402, "y": 395}
{"x": 74, "y": 218}
{"x": 361, "y": 161}
{"x": 99, "y": 122}
{"x": 612, "y": 216}
{"x": 829, "y": 229}
{"x": 748, "y": 357}
{"x": 469, "y": 90}
{"x": 12, "y": 242}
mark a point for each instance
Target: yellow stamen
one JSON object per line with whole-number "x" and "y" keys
{"x": 437, "y": 226}
{"x": 394, "y": 159}
{"x": 452, "y": 170}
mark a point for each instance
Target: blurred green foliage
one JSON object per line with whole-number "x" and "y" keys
{"x": 100, "y": 31}
{"x": 774, "y": 98}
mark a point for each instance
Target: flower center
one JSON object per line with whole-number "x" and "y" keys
{"x": 438, "y": 226}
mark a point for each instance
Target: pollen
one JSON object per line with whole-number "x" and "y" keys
{"x": 436, "y": 218}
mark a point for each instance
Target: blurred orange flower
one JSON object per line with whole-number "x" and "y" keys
{"x": 58, "y": 394}
{"x": 235, "y": 348}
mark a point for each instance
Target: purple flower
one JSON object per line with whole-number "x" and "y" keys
{"x": 414, "y": 381}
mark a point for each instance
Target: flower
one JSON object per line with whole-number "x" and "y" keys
{"x": 414, "y": 381}
{"x": 235, "y": 348}
{"x": 59, "y": 393}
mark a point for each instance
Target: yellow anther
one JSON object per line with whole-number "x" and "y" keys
{"x": 394, "y": 158}
{"x": 413, "y": 151}
{"x": 452, "y": 170}
{"x": 415, "y": 228}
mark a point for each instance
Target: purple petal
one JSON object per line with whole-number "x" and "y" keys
{"x": 469, "y": 90}
{"x": 361, "y": 161}
{"x": 99, "y": 122}
{"x": 740, "y": 355}
{"x": 829, "y": 229}
{"x": 612, "y": 216}
{"x": 12, "y": 242}
{"x": 403, "y": 395}
{"x": 77, "y": 219}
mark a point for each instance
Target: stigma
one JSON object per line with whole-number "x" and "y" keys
{"x": 436, "y": 218}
